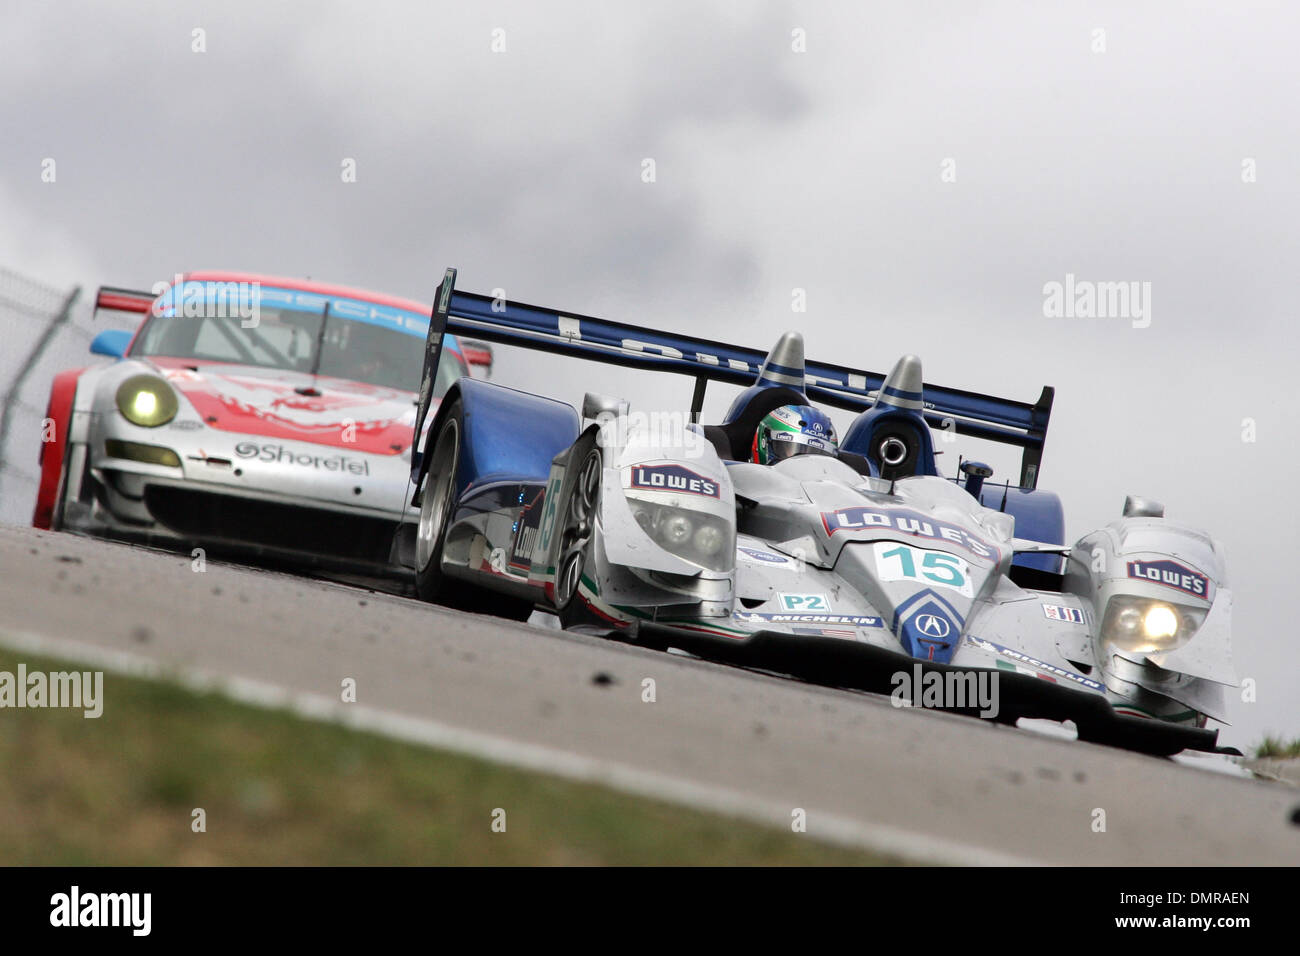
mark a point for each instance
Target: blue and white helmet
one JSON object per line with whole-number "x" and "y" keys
{"x": 793, "y": 430}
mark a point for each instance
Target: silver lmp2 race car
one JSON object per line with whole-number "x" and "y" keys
{"x": 253, "y": 415}
{"x": 849, "y": 568}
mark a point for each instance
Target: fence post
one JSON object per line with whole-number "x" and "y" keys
{"x": 11, "y": 396}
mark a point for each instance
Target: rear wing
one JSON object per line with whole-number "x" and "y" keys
{"x": 122, "y": 300}
{"x": 1022, "y": 424}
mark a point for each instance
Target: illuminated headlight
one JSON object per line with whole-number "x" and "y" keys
{"x": 146, "y": 400}
{"x": 1160, "y": 622}
{"x": 693, "y": 536}
{"x": 1147, "y": 626}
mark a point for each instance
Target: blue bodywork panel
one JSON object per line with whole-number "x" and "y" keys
{"x": 741, "y": 401}
{"x": 510, "y": 436}
{"x": 861, "y": 434}
{"x": 928, "y": 626}
{"x": 111, "y": 342}
{"x": 1039, "y": 516}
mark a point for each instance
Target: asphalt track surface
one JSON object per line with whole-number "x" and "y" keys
{"x": 926, "y": 785}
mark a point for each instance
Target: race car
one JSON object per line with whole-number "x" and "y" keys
{"x": 252, "y": 415}
{"x": 859, "y": 566}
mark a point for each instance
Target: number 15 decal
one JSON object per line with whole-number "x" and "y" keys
{"x": 901, "y": 562}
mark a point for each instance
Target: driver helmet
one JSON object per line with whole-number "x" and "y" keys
{"x": 793, "y": 430}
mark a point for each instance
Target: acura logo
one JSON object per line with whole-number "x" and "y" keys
{"x": 932, "y": 625}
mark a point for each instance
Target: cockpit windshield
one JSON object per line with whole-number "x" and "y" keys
{"x": 302, "y": 332}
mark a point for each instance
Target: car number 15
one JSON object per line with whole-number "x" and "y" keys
{"x": 902, "y": 562}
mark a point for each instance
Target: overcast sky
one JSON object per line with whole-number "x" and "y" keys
{"x": 921, "y": 170}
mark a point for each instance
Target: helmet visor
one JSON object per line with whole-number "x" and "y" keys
{"x": 783, "y": 445}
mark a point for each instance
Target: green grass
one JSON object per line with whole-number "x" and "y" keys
{"x": 1277, "y": 747}
{"x": 279, "y": 789}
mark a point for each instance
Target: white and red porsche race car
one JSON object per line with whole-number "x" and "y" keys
{"x": 247, "y": 414}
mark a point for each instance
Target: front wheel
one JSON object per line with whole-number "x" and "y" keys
{"x": 436, "y": 500}
{"x": 576, "y": 532}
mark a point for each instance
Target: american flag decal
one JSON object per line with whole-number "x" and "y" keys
{"x": 1057, "y": 612}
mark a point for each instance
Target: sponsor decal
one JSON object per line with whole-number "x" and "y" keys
{"x": 933, "y": 625}
{"x": 817, "y": 429}
{"x": 853, "y": 620}
{"x": 1171, "y": 574}
{"x": 908, "y": 522}
{"x": 526, "y": 529}
{"x": 1022, "y": 658}
{"x": 278, "y": 454}
{"x": 1028, "y": 671}
{"x": 931, "y": 631}
{"x": 677, "y": 478}
{"x": 547, "y": 526}
{"x": 804, "y": 602}
{"x": 194, "y": 298}
{"x": 763, "y": 557}
{"x": 901, "y": 562}
{"x": 823, "y": 632}
{"x": 928, "y": 626}
{"x": 852, "y": 382}
{"x": 1058, "y": 612}
{"x": 811, "y": 440}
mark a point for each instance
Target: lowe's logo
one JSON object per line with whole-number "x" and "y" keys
{"x": 1172, "y": 575}
{"x": 906, "y": 522}
{"x": 673, "y": 478}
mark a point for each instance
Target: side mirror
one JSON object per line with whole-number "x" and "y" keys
{"x": 111, "y": 342}
{"x": 595, "y": 407}
{"x": 1136, "y": 506}
{"x": 975, "y": 472}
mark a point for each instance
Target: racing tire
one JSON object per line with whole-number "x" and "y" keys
{"x": 60, "y": 492}
{"x": 58, "y": 516}
{"x": 437, "y": 496}
{"x": 580, "y": 510}
{"x": 436, "y": 502}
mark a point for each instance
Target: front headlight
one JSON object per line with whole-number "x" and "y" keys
{"x": 1147, "y": 626}
{"x": 146, "y": 400}
{"x": 694, "y": 536}
{"x": 138, "y": 451}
